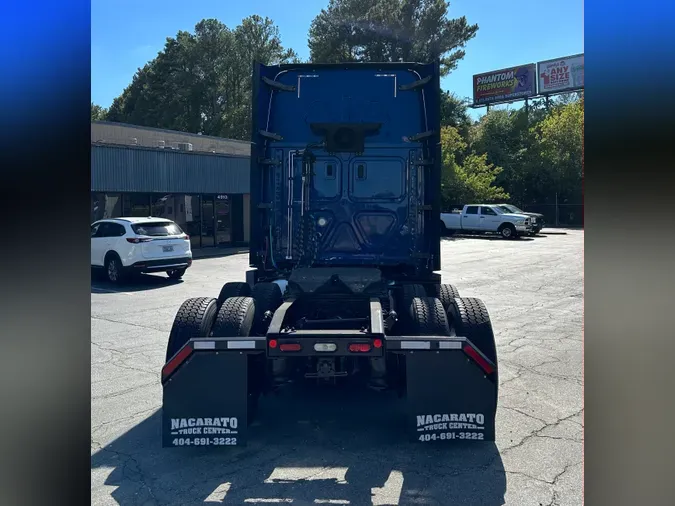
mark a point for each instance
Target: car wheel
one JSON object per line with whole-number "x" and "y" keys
{"x": 114, "y": 270}
{"x": 176, "y": 274}
{"x": 507, "y": 231}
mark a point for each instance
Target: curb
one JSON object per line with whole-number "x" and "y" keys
{"x": 217, "y": 252}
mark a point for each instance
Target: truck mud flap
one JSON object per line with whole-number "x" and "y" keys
{"x": 451, "y": 389}
{"x": 206, "y": 392}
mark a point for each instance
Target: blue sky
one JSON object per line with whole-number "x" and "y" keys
{"x": 126, "y": 34}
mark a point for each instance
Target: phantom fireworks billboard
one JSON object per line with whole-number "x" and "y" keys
{"x": 515, "y": 83}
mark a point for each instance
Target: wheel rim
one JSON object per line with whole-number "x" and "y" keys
{"x": 112, "y": 270}
{"x": 506, "y": 232}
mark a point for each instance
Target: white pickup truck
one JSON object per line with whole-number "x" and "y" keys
{"x": 485, "y": 218}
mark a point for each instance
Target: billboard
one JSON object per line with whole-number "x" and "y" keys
{"x": 514, "y": 83}
{"x": 560, "y": 75}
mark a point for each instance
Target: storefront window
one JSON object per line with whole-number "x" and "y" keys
{"x": 105, "y": 205}
{"x": 223, "y": 220}
{"x": 136, "y": 204}
{"x": 164, "y": 206}
{"x": 208, "y": 221}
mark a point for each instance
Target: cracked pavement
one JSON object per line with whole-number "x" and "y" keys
{"x": 341, "y": 448}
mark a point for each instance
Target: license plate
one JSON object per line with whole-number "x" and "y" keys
{"x": 167, "y": 249}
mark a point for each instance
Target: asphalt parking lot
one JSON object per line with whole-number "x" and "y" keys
{"x": 346, "y": 448}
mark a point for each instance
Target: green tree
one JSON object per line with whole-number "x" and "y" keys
{"x": 502, "y": 136}
{"x": 454, "y": 113}
{"x": 201, "y": 82}
{"x": 560, "y": 137}
{"x": 389, "y": 30}
{"x": 98, "y": 113}
{"x": 471, "y": 181}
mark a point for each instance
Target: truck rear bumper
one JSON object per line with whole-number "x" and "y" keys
{"x": 451, "y": 388}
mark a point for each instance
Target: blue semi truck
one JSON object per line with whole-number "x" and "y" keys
{"x": 344, "y": 281}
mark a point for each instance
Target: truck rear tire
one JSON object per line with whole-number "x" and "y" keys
{"x": 234, "y": 318}
{"x": 446, "y": 293}
{"x": 408, "y": 293}
{"x": 428, "y": 317}
{"x": 470, "y": 319}
{"x": 194, "y": 319}
{"x": 405, "y": 297}
{"x": 267, "y": 297}
{"x": 233, "y": 289}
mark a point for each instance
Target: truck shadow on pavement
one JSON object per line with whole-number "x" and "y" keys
{"x": 315, "y": 447}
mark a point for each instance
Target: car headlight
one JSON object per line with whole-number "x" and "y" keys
{"x": 534, "y": 220}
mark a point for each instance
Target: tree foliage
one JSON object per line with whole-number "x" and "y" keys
{"x": 98, "y": 113}
{"x": 560, "y": 140}
{"x": 201, "y": 82}
{"x": 387, "y": 31}
{"x": 470, "y": 181}
{"x": 540, "y": 150}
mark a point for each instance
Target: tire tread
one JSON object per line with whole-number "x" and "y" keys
{"x": 234, "y": 289}
{"x": 235, "y": 317}
{"x": 193, "y": 319}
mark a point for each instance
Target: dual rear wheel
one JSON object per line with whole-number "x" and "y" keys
{"x": 444, "y": 312}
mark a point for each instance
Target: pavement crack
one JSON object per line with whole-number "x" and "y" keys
{"x": 127, "y": 323}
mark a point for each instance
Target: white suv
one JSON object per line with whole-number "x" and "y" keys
{"x": 122, "y": 246}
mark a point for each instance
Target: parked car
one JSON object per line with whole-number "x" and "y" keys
{"x": 538, "y": 220}
{"x": 123, "y": 246}
{"x": 484, "y": 218}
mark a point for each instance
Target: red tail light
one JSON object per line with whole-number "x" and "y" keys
{"x": 290, "y": 347}
{"x": 177, "y": 360}
{"x": 377, "y": 343}
{"x": 478, "y": 358}
{"x": 359, "y": 347}
{"x": 273, "y": 343}
{"x": 136, "y": 240}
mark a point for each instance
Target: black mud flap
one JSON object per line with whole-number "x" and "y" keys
{"x": 451, "y": 389}
{"x": 206, "y": 392}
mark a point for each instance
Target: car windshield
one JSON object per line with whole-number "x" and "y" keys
{"x": 511, "y": 209}
{"x": 157, "y": 228}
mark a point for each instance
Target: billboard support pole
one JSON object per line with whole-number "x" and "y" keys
{"x": 527, "y": 111}
{"x": 488, "y": 108}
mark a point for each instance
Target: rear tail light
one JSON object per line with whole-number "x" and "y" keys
{"x": 478, "y": 358}
{"x": 136, "y": 240}
{"x": 377, "y": 343}
{"x": 359, "y": 347}
{"x": 273, "y": 343}
{"x": 290, "y": 347}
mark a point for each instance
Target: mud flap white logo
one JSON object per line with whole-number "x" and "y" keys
{"x": 448, "y": 421}
{"x": 219, "y": 425}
